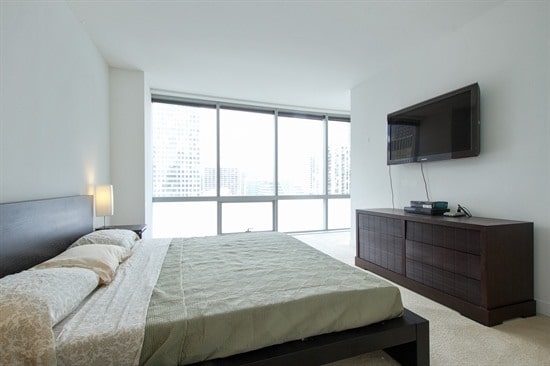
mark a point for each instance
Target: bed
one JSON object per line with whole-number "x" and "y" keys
{"x": 34, "y": 231}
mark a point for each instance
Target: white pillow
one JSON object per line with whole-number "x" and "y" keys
{"x": 120, "y": 237}
{"x": 31, "y": 303}
{"x": 103, "y": 259}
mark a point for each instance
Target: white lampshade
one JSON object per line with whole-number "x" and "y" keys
{"x": 104, "y": 200}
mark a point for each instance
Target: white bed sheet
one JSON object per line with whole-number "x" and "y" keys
{"x": 108, "y": 327}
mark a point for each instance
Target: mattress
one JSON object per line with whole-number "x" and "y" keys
{"x": 218, "y": 296}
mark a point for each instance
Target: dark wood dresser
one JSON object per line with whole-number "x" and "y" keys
{"x": 481, "y": 267}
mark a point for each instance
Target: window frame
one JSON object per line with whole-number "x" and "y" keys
{"x": 276, "y": 197}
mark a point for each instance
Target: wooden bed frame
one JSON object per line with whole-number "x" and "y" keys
{"x": 34, "y": 231}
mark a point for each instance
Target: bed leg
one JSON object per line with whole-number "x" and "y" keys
{"x": 416, "y": 353}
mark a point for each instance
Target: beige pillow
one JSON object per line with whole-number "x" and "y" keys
{"x": 103, "y": 259}
{"x": 120, "y": 237}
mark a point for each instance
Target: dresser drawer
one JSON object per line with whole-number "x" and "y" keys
{"x": 465, "y": 264}
{"x": 454, "y": 284}
{"x": 383, "y": 250}
{"x": 381, "y": 224}
{"x": 463, "y": 240}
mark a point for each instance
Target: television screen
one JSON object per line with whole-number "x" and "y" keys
{"x": 444, "y": 127}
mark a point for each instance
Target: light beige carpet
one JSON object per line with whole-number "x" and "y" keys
{"x": 454, "y": 339}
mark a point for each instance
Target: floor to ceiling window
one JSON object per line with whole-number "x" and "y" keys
{"x": 223, "y": 168}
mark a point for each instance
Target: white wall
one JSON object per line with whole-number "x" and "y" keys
{"x": 54, "y": 105}
{"x": 148, "y": 160}
{"x": 129, "y": 112}
{"x": 507, "y": 52}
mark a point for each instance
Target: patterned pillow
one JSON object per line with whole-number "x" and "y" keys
{"x": 61, "y": 290}
{"x": 103, "y": 259}
{"x": 31, "y": 303}
{"x": 120, "y": 237}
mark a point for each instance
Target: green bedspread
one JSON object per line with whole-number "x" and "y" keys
{"x": 218, "y": 296}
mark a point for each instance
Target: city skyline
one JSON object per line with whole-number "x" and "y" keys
{"x": 184, "y": 144}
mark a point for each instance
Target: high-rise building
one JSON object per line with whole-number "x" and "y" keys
{"x": 231, "y": 181}
{"x": 176, "y": 153}
{"x": 339, "y": 167}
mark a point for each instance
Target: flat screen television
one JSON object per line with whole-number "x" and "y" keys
{"x": 444, "y": 127}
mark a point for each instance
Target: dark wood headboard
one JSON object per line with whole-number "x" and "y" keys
{"x": 34, "y": 231}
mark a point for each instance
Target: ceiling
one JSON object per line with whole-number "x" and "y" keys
{"x": 289, "y": 53}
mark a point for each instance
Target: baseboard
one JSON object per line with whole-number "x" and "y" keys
{"x": 543, "y": 308}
